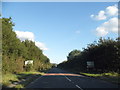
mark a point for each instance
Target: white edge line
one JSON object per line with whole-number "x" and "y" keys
{"x": 34, "y": 81}
{"x": 68, "y": 79}
{"x": 78, "y": 87}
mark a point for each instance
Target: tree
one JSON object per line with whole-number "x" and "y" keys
{"x": 16, "y": 52}
{"x": 104, "y": 53}
{"x": 73, "y": 54}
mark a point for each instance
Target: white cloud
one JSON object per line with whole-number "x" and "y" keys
{"x": 25, "y": 35}
{"x": 110, "y": 11}
{"x": 107, "y": 27}
{"x": 111, "y": 25}
{"x": 100, "y": 16}
{"x": 100, "y": 31}
{"x": 41, "y": 45}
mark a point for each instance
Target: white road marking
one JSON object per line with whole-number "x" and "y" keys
{"x": 78, "y": 87}
{"x": 34, "y": 81}
{"x": 67, "y": 78}
{"x": 73, "y": 83}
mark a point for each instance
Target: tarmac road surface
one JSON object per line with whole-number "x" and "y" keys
{"x": 58, "y": 78}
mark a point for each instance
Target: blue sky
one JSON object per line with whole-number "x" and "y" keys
{"x": 62, "y": 27}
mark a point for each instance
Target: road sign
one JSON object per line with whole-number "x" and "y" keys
{"x": 90, "y": 64}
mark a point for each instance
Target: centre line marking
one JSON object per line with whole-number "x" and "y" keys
{"x": 73, "y": 83}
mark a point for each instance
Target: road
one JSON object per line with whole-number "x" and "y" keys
{"x": 57, "y": 78}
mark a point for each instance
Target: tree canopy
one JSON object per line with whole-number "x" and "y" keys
{"x": 104, "y": 53}
{"x": 15, "y": 52}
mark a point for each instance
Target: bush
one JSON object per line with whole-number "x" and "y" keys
{"x": 28, "y": 67}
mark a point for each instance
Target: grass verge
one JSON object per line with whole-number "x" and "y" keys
{"x": 110, "y": 77}
{"x": 19, "y": 80}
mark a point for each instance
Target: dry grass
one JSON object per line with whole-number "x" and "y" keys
{"x": 9, "y": 80}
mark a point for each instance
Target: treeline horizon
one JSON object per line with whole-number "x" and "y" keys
{"x": 105, "y": 53}
{"x": 16, "y": 52}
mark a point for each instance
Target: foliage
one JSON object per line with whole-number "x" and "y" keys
{"x": 28, "y": 67}
{"x": 73, "y": 54}
{"x": 16, "y": 52}
{"x": 31, "y": 72}
{"x": 104, "y": 53}
{"x": 9, "y": 78}
{"x": 112, "y": 77}
{"x": 6, "y": 78}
